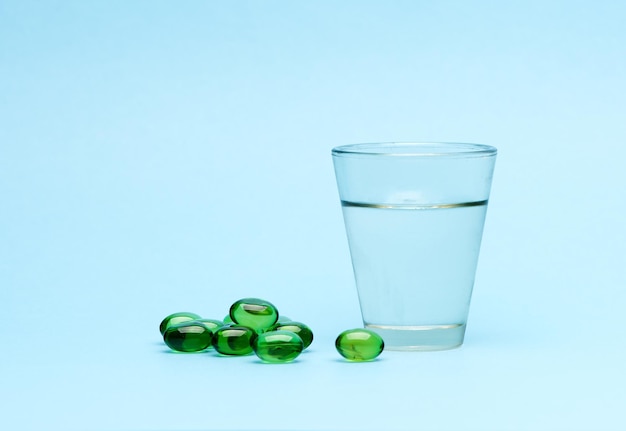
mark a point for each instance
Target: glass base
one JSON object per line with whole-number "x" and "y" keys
{"x": 420, "y": 338}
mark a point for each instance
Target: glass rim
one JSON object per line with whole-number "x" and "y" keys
{"x": 415, "y": 149}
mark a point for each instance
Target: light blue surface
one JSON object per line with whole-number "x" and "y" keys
{"x": 167, "y": 156}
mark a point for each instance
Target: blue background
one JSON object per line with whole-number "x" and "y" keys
{"x": 163, "y": 156}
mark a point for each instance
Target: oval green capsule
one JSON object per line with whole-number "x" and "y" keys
{"x": 188, "y": 337}
{"x": 278, "y": 346}
{"x": 212, "y": 324}
{"x": 359, "y": 345}
{"x": 299, "y": 328}
{"x": 176, "y": 318}
{"x": 254, "y": 313}
{"x": 233, "y": 340}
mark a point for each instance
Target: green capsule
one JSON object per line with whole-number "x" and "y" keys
{"x": 233, "y": 340}
{"x": 227, "y": 320}
{"x": 278, "y": 346}
{"x": 254, "y": 313}
{"x": 212, "y": 324}
{"x": 188, "y": 337}
{"x": 303, "y": 331}
{"x": 359, "y": 345}
{"x": 176, "y": 318}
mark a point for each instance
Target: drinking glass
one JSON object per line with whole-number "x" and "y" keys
{"x": 414, "y": 216}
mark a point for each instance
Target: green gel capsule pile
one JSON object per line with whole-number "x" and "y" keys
{"x": 359, "y": 345}
{"x": 254, "y": 325}
{"x": 237, "y": 333}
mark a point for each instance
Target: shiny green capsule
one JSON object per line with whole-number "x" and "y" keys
{"x": 299, "y": 328}
{"x": 278, "y": 346}
{"x": 212, "y": 324}
{"x": 254, "y": 313}
{"x": 188, "y": 337}
{"x": 176, "y": 318}
{"x": 234, "y": 340}
{"x": 359, "y": 345}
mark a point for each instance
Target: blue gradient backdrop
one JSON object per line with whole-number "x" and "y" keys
{"x": 161, "y": 156}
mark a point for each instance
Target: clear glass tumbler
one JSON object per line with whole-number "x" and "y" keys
{"x": 414, "y": 216}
